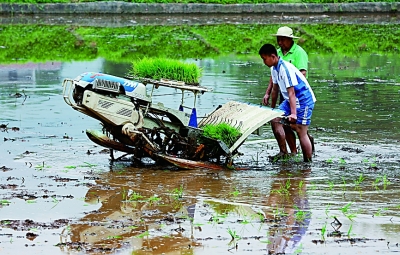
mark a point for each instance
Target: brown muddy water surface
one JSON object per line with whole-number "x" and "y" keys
{"x": 60, "y": 194}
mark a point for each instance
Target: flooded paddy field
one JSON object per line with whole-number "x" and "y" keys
{"x": 61, "y": 194}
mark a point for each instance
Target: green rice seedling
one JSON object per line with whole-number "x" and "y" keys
{"x": 164, "y": 68}
{"x": 135, "y": 196}
{"x": 330, "y": 160}
{"x": 357, "y": 182}
{"x": 380, "y": 212}
{"x": 260, "y": 216}
{"x": 144, "y": 234}
{"x": 343, "y": 184}
{"x": 124, "y": 194}
{"x": 4, "y": 202}
{"x": 327, "y": 210}
{"x": 301, "y": 184}
{"x": 373, "y": 163}
{"x": 311, "y": 187}
{"x": 245, "y": 222}
{"x": 301, "y": 215}
{"x": 279, "y": 213}
{"x": 283, "y": 189}
{"x": 330, "y": 185}
{"x": 55, "y": 201}
{"x": 153, "y": 199}
{"x": 298, "y": 158}
{"x": 350, "y": 230}
{"x": 42, "y": 167}
{"x": 351, "y": 216}
{"x": 342, "y": 161}
{"x": 218, "y": 218}
{"x": 178, "y": 192}
{"x": 323, "y": 231}
{"x": 345, "y": 209}
{"x": 233, "y": 234}
{"x": 385, "y": 181}
{"x": 236, "y": 192}
{"x": 298, "y": 250}
{"x": 87, "y": 164}
{"x": 376, "y": 182}
{"x": 223, "y": 132}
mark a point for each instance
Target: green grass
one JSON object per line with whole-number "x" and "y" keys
{"x": 159, "y": 68}
{"x": 223, "y": 132}
{"x": 39, "y": 43}
{"x": 201, "y": 1}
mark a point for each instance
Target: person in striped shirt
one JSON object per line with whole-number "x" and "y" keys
{"x": 298, "y": 103}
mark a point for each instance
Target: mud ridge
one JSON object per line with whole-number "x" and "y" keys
{"x": 119, "y": 7}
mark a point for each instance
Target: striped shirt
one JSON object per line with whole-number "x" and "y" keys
{"x": 286, "y": 75}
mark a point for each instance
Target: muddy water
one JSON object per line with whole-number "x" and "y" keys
{"x": 60, "y": 194}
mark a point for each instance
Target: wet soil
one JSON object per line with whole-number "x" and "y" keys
{"x": 198, "y": 19}
{"x": 62, "y": 194}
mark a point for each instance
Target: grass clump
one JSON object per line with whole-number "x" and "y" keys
{"x": 223, "y": 132}
{"x": 164, "y": 68}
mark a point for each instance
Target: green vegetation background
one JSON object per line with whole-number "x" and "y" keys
{"x": 38, "y": 43}
{"x": 203, "y": 1}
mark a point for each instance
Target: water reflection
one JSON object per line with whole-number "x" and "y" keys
{"x": 153, "y": 212}
{"x": 291, "y": 215}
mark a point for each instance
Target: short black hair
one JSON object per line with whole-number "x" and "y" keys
{"x": 268, "y": 49}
